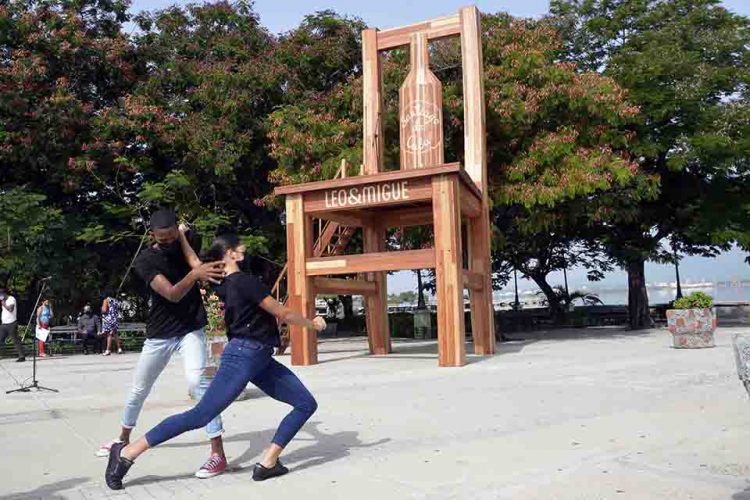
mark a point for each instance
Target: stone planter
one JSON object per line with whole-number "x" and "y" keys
{"x": 691, "y": 328}
{"x": 422, "y": 324}
{"x": 741, "y": 344}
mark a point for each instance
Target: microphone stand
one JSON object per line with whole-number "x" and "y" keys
{"x": 34, "y": 382}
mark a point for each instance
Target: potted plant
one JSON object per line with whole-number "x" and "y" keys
{"x": 216, "y": 339}
{"x": 692, "y": 321}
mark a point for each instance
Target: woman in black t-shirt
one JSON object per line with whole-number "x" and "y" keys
{"x": 252, "y": 318}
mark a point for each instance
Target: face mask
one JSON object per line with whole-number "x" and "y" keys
{"x": 171, "y": 249}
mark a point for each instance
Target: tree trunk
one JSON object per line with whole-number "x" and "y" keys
{"x": 552, "y": 299}
{"x": 421, "y": 304}
{"x": 638, "y": 311}
{"x": 677, "y": 274}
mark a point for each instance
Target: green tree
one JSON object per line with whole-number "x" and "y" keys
{"x": 192, "y": 133}
{"x": 555, "y": 136}
{"x": 61, "y": 63}
{"x": 685, "y": 64}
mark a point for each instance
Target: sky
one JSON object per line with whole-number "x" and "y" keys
{"x": 283, "y": 15}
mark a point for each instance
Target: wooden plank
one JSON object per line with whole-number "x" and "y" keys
{"x": 406, "y": 217}
{"x": 475, "y": 144}
{"x": 469, "y": 184}
{"x": 344, "y": 287}
{"x": 420, "y": 110}
{"x": 324, "y": 239}
{"x": 482, "y": 311}
{"x": 378, "y": 329}
{"x": 440, "y": 27}
{"x": 448, "y": 272}
{"x": 475, "y": 154}
{"x": 304, "y": 341}
{"x": 372, "y": 94}
{"x": 345, "y": 218}
{"x": 473, "y": 280}
{"x": 396, "y": 175}
{"x": 471, "y": 204}
{"x": 371, "y": 262}
{"x": 369, "y": 195}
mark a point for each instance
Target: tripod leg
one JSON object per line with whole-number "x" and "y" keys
{"x": 22, "y": 389}
{"x": 42, "y": 388}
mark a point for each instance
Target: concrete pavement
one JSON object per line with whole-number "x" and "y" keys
{"x": 571, "y": 414}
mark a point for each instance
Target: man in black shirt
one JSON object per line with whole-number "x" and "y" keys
{"x": 176, "y": 319}
{"x": 89, "y": 327}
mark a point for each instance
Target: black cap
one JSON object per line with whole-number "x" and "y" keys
{"x": 163, "y": 219}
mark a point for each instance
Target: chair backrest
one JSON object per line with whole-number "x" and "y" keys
{"x": 421, "y": 96}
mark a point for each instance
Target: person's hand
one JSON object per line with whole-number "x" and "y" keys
{"x": 319, "y": 324}
{"x": 183, "y": 227}
{"x": 210, "y": 271}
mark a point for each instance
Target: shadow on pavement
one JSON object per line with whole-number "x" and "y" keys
{"x": 47, "y": 491}
{"x": 324, "y": 448}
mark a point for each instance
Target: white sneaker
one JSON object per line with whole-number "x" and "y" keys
{"x": 103, "y": 451}
{"x": 106, "y": 353}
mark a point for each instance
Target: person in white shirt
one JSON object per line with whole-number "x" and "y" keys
{"x": 9, "y": 324}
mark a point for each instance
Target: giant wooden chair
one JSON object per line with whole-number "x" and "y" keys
{"x": 424, "y": 191}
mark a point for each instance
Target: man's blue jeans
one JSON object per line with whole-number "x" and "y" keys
{"x": 244, "y": 360}
{"x": 154, "y": 357}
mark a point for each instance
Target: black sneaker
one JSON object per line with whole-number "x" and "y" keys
{"x": 117, "y": 467}
{"x": 21, "y": 359}
{"x": 260, "y": 473}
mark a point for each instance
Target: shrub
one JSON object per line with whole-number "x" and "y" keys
{"x": 696, "y": 300}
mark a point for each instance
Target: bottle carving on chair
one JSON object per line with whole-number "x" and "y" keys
{"x": 421, "y": 110}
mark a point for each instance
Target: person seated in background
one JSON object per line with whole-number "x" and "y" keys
{"x": 90, "y": 327}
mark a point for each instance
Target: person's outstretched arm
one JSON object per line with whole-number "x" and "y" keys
{"x": 211, "y": 271}
{"x": 289, "y": 316}
{"x": 190, "y": 256}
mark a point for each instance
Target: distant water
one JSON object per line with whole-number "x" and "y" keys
{"x": 725, "y": 292}
{"x": 664, "y": 295}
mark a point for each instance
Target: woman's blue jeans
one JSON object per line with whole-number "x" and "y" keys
{"x": 244, "y": 360}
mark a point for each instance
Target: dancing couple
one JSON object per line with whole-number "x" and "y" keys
{"x": 176, "y": 320}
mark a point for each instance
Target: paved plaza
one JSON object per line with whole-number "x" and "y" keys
{"x": 570, "y": 414}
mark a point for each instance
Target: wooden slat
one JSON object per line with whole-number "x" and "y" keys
{"x": 482, "y": 311}
{"x": 440, "y": 27}
{"x": 345, "y": 218}
{"x": 324, "y": 239}
{"x": 275, "y": 290}
{"x": 304, "y": 341}
{"x": 372, "y": 93}
{"x": 378, "y": 329}
{"x": 372, "y": 262}
{"x": 471, "y": 205}
{"x": 475, "y": 157}
{"x": 396, "y": 175}
{"x": 473, "y": 280}
{"x": 475, "y": 132}
{"x": 448, "y": 272}
{"x": 370, "y": 195}
{"x": 344, "y": 287}
{"x": 406, "y": 217}
{"x": 469, "y": 183}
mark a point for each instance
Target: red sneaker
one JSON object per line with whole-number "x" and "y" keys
{"x": 214, "y": 466}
